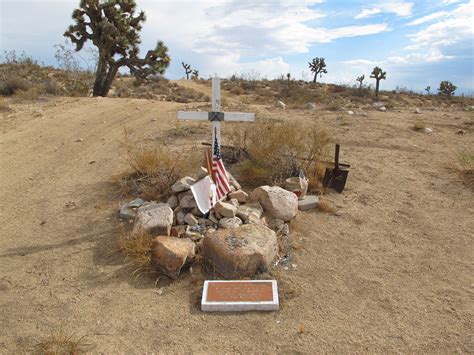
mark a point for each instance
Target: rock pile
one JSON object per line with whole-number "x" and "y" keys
{"x": 238, "y": 237}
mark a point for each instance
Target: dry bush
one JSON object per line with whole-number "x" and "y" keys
{"x": 466, "y": 161}
{"x": 419, "y": 125}
{"x": 327, "y": 206}
{"x": 61, "y": 343}
{"x": 153, "y": 169}
{"x": 277, "y": 150}
{"x": 12, "y": 85}
{"x": 32, "y": 93}
{"x": 4, "y": 105}
{"x": 136, "y": 247}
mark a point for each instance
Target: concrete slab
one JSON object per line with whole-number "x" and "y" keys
{"x": 240, "y": 295}
{"x": 308, "y": 203}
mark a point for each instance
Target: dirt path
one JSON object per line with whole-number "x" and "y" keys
{"x": 393, "y": 273}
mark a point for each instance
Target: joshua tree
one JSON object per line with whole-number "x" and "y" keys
{"x": 428, "y": 89}
{"x": 360, "y": 79}
{"x": 318, "y": 66}
{"x": 114, "y": 30}
{"x": 378, "y": 75}
{"x": 187, "y": 69}
{"x": 195, "y": 74}
{"x": 447, "y": 88}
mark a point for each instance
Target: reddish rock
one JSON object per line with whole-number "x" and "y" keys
{"x": 170, "y": 254}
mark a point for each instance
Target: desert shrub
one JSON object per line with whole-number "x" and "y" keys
{"x": 419, "y": 125}
{"x": 152, "y": 169}
{"x": 51, "y": 87}
{"x": 12, "y": 85}
{"x": 60, "y": 342}
{"x": 466, "y": 161}
{"x": 275, "y": 151}
{"x": 136, "y": 247}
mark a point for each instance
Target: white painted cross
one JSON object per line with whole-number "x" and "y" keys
{"x": 216, "y": 116}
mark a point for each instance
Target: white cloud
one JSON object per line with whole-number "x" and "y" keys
{"x": 398, "y": 7}
{"x": 458, "y": 26}
{"x": 428, "y": 18}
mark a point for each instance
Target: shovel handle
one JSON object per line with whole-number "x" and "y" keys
{"x": 336, "y": 158}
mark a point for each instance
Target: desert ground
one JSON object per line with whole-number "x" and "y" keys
{"x": 392, "y": 272}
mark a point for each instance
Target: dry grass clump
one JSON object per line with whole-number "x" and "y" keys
{"x": 60, "y": 343}
{"x": 419, "y": 125}
{"x": 136, "y": 247}
{"x": 153, "y": 169}
{"x": 466, "y": 161}
{"x": 275, "y": 151}
{"x": 327, "y": 206}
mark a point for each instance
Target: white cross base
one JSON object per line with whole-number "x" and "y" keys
{"x": 216, "y": 116}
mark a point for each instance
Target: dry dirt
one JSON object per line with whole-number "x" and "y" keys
{"x": 392, "y": 273}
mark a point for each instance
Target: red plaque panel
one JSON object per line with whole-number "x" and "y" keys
{"x": 240, "y": 292}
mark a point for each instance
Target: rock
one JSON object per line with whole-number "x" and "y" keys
{"x": 230, "y": 223}
{"x": 244, "y": 212}
{"x": 155, "y": 218}
{"x": 234, "y": 202}
{"x": 194, "y": 232}
{"x": 310, "y": 202}
{"x": 309, "y": 106}
{"x": 363, "y": 114}
{"x": 378, "y": 105}
{"x": 190, "y": 219}
{"x": 460, "y": 131}
{"x": 178, "y": 231}
{"x": 138, "y": 202}
{"x": 277, "y": 202}
{"x": 185, "y": 193}
{"x": 182, "y": 184}
{"x": 127, "y": 211}
{"x": 281, "y": 104}
{"x": 225, "y": 209}
{"x": 469, "y": 108}
{"x": 205, "y": 222}
{"x": 173, "y": 201}
{"x": 80, "y": 140}
{"x": 350, "y": 112}
{"x": 195, "y": 211}
{"x": 180, "y": 217}
{"x": 428, "y": 130}
{"x": 383, "y": 109}
{"x": 188, "y": 202}
{"x": 213, "y": 218}
{"x": 170, "y": 254}
{"x": 240, "y": 195}
{"x": 279, "y": 227}
{"x": 202, "y": 173}
{"x": 240, "y": 252}
{"x": 417, "y": 110}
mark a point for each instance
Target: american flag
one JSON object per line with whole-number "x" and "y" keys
{"x": 219, "y": 175}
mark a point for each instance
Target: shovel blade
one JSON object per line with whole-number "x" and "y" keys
{"x": 335, "y": 179}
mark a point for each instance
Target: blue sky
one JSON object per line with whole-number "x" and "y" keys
{"x": 418, "y": 43}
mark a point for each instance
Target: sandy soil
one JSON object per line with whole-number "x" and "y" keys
{"x": 392, "y": 273}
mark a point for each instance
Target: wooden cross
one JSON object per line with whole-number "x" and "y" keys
{"x": 216, "y": 116}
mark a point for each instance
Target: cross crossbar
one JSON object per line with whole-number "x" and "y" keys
{"x": 216, "y": 116}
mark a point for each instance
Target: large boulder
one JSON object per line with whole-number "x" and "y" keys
{"x": 240, "y": 252}
{"x": 278, "y": 203}
{"x": 155, "y": 218}
{"x": 225, "y": 209}
{"x": 170, "y": 254}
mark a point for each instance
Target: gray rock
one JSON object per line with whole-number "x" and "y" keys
{"x": 190, "y": 219}
{"x": 310, "y": 202}
{"x": 363, "y": 114}
{"x": 233, "y": 182}
{"x": 213, "y": 218}
{"x": 281, "y": 104}
{"x": 383, "y": 109}
{"x": 240, "y": 252}
{"x": 225, "y": 209}
{"x": 378, "y": 105}
{"x": 138, "y": 202}
{"x": 428, "y": 130}
{"x": 155, "y": 218}
{"x": 309, "y": 106}
{"x": 417, "y": 110}
{"x": 129, "y": 210}
{"x": 188, "y": 202}
{"x": 173, "y": 201}
{"x": 184, "y": 193}
{"x": 234, "y": 202}
{"x": 350, "y": 112}
{"x": 180, "y": 217}
{"x": 170, "y": 254}
{"x": 230, "y": 223}
{"x": 202, "y": 173}
{"x": 182, "y": 184}
{"x": 276, "y": 202}
{"x": 195, "y": 211}
{"x": 244, "y": 212}
{"x": 240, "y": 195}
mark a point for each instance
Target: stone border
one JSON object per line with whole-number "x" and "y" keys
{"x": 207, "y": 306}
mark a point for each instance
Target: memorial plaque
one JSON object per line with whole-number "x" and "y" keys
{"x": 240, "y": 295}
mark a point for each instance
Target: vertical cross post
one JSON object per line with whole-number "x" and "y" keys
{"x": 216, "y": 107}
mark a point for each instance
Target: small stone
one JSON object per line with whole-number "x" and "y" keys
{"x": 230, "y": 223}
{"x": 178, "y": 231}
{"x": 310, "y": 202}
{"x": 417, "y": 110}
{"x": 170, "y": 254}
{"x": 363, "y": 114}
{"x": 309, "y": 106}
{"x": 193, "y": 234}
{"x": 188, "y": 202}
{"x": 350, "y": 112}
{"x": 195, "y": 211}
{"x": 460, "y": 131}
{"x": 249, "y": 210}
{"x": 234, "y": 202}
{"x": 428, "y": 130}
{"x": 190, "y": 219}
{"x": 383, "y": 109}
{"x": 205, "y": 222}
{"x": 225, "y": 209}
{"x": 173, "y": 201}
{"x": 202, "y": 173}
{"x": 138, "y": 202}
{"x": 294, "y": 266}
{"x": 281, "y": 104}
{"x": 213, "y": 218}
{"x": 185, "y": 193}
{"x": 182, "y": 184}
{"x": 240, "y": 195}
{"x": 378, "y": 105}
{"x": 180, "y": 217}
{"x": 80, "y": 140}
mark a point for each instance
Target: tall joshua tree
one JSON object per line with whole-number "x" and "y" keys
{"x": 447, "y": 88}
{"x": 318, "y": 66}
{"x": 360, "y": 79}
{"x": 378, "y": 75}
{"x": 113, "y": 28}
{"x": 195, "y": 74}
{"x": 187, "y": 69}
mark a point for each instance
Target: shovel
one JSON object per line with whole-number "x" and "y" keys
{"x": 335, "y": 178}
